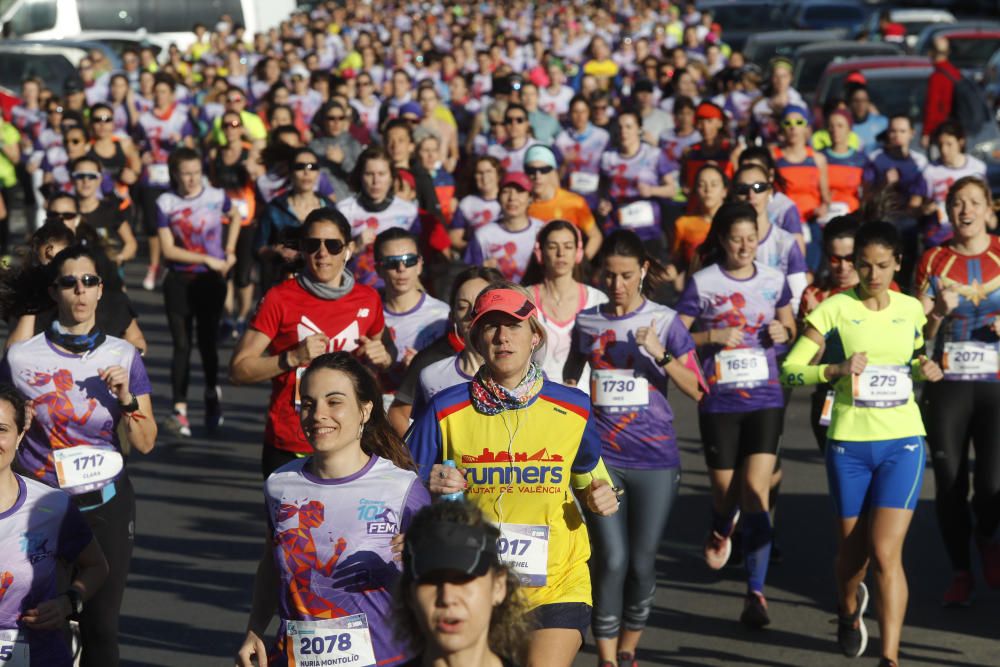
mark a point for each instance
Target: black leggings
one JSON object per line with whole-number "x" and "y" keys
{"x": 113, "y": 524}
{"x": 623, "y": 567}
{"x": 188, "y": 297}
{"x": 148, "y": 194}
{"x": 243, "y": 269}
{"x": 953, "y": 413}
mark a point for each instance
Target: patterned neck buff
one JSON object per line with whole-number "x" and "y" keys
{"x": 75, "y": 343}
{"x": 490, "y": 398}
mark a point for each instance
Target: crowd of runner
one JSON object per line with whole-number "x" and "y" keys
{"x": 471, "y": 246}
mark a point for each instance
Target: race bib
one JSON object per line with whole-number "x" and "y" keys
{"x": 583, "y": 182}
{"x": 882, "y": 387}
{"x": 159, "y": 174}
{"x": 618, "y": 391}
{"x": 86, "y": 468}
{"x": 14, "y": 650}
{"x": 742, "y": 368}
{"x": 525, "y": 549}
{"x": 827, "y": 412}
{"x": 332, "y": 641}
{"x": 970, "y": 361}
{"x": 637, "y": 214}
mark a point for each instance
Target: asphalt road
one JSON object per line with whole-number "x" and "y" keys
{"x": 200, "y": 531}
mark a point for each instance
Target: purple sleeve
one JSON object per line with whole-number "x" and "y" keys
{"x": 458, "y": 221}
{"x": 791, "y": 221}
{"x": 677, "y": 339}
{"x": 227, "y": 204}
{"x": 796, "y": 262}
{"x": 161, "y": 217}
{"x": 5, "y": 375}
{"x": 785, "y": 298}
{"x": 415, "y": 228}
{"x": 417, "y": 498}
{"x": 324, "y": 186}
{"x": 187, "y": 130}
{"x": 664, "y": 166}
{"x": 689, "y": 303}
{"x": 474, "y": 253}
{"x": 74, "y": 533}
{"x": 590, "y": 448}
{"x": 138, "y": 379}
{"x": 871, "y": 174}
{"x": 425, "y": 440}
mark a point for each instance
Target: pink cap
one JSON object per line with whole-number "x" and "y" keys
{"x": 507, "y": 301}
{"x": 516, "y": 178}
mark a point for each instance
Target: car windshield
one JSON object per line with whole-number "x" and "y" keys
{"x": 762, "y": 52}
{"x": 833, "y": 15}
{"x": 746, "y": 16}
{"x": 50, "y": 68}
{"x": 972, "y": 53}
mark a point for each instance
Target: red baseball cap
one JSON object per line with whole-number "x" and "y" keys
{"x": 516, "y": 178}
{"x": 856, "y": 77}
{"x": 504, "y": 300}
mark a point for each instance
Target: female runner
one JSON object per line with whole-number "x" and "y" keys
{"x": 875, "y": 454}
{"x": 326, "y": 570}
{"x": 522, "y": 483}
{"x": 82, "y": 384}
{"x": 958, "y": 287}
{"x": 741, "y": 312}
{"x": 635, "y": 347}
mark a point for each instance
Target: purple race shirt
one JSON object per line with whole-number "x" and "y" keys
{"x": 511, "y": 250}
{"x": 622, "y": 176}
{"x": 642, "y": 436}
{"x": 331, "y": 545}
{"x": 42, "y": 527}
{"x": 72, "y": 405}
{"x": 195, "y": 222}
{"x": 716, "y": 300}
{"x": 399, "y": 213}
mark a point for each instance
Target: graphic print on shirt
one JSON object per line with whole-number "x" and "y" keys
{"x": 61, "y": 411}
{"x": 6, "y": 581}
{"x": 298, "y": 548}
{"x": 482, "y": 469}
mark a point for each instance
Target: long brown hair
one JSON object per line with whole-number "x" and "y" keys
{"x": 377, "y": 438}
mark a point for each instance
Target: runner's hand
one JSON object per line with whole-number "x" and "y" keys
{"x": 647, "y": 338}
{"x": 116, "y": 379}
{"x": 601, "y": 498}
{"x": 855, "y": 365}
{"x": 946, "y": 301}
{"x": 216, "y": 264}
{"x": 48, "y": 615}
{"x": 373, "y": 350}
{"x": 930, "y": 370}
{"x": 445, "y": 479}
{"x": 253, "y": 646}
{"x": 777, "y": 331}
{"x": 728, "y": 337}
{"x": 307, "y": 350}
{"x": 396, "y": 546}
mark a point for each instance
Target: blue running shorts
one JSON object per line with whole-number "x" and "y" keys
{"x": 875, "y": 473}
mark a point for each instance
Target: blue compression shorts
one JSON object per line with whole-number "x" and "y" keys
{"x": 875, "y": 473}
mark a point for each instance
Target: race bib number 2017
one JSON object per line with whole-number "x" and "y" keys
{"x": 335, "y": 641}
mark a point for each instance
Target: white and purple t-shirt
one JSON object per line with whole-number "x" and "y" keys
{"x": 634, "y": 436}
{"x": 399, "y": 213}
{"x": 558, "y": 335}
{"x": 368, "y": 114}
{"x": 783, "y": 212}
{"x": 436, "y": 377}
{"x": 555, "y": 104}
{"x": 72, "y": 405}
{"x": 161, "y": 134}
{"x": 511, "y": 250}
{"x": 780, "y": 249}
{"x": 305, "y": 106}
{"x": 473, "y": 212}
{"x": 938, "y": 179}
{"x": 581, "y": 153}
{"x": 195, "y": 222}
{"x": 331, "y": 542}
{"x": 511, "y": 159}
{"x": 419, "y": 326}
{"x": 623, "y": 175}
{"x": 40, "y": 529}
{"x": 673, "y": 145}
{"x": 716, "y": 300}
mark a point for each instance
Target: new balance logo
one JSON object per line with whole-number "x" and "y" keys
{"x": 362, "y": 312}
{"x": 912, "y": 447}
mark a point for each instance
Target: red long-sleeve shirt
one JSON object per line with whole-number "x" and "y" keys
{"x": 940, "y": 93}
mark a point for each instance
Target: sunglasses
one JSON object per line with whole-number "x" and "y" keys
{"x": 532, "y": 171}
{"x": 394, "y": 261}
{"x": 70, "y": 282}
{"x": 364, "y": 83}
{"x": 794, "y": 122}
{"x": 56, "y": 110}
{"x": 60, "y": 216}
{"x": 744, "y": 189}
{"x": 234, "y": 123}
{"x": 305, "y": 166}
{"x": 85, "y": 176}
{"x": 74, "y": 142}
{"x": 101, "y": 119}
{"x": 841, "y": 259}
{"x": 336, "y": 119}
{"x": 518, "y": 120}
{"x": 234, "y": 100}
{"x": 311, "y": 245}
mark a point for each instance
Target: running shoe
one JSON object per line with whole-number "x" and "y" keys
{"x": 852, "y": 635}
{"x": 149, "y": 282}
{"x": 718, "y": 547}
{"x": 178, "y": 424}
{"x": 626, "y": 659}
{"x": 606, "y": 663}
{"x": 990, "y": 553}
{"x": 213, "y": 409}
{"x": 755, "y": 611}
{"x": 959, "y": 593}
{"x": 886, "y": 662}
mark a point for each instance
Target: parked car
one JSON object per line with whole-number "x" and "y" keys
{"x": 926, "y": 35}
{"x": 812, "y": 59}
{"x": 849, "y": 15}
{"x": 991, "y": 82}
{"x": 763, "y": 46}
{"x": 970, "y": 48}
{"x": 898, "y": 85}
{"x": 52, "y": 64}
{"x": 741, "y": 18}
{"x": 914, "y": 19}
{"x": 119, "y": 40}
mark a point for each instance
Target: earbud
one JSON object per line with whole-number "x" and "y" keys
{"x": 347, "y": 255}
{"x": 643, "y": 276}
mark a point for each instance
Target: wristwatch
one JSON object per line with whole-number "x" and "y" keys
{"x": 75, "y": 602}
{"x": 665, "y": 359}
{"x": 131, "y": 406}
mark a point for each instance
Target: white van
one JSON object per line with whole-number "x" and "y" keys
{"x": 173, "y": 19}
